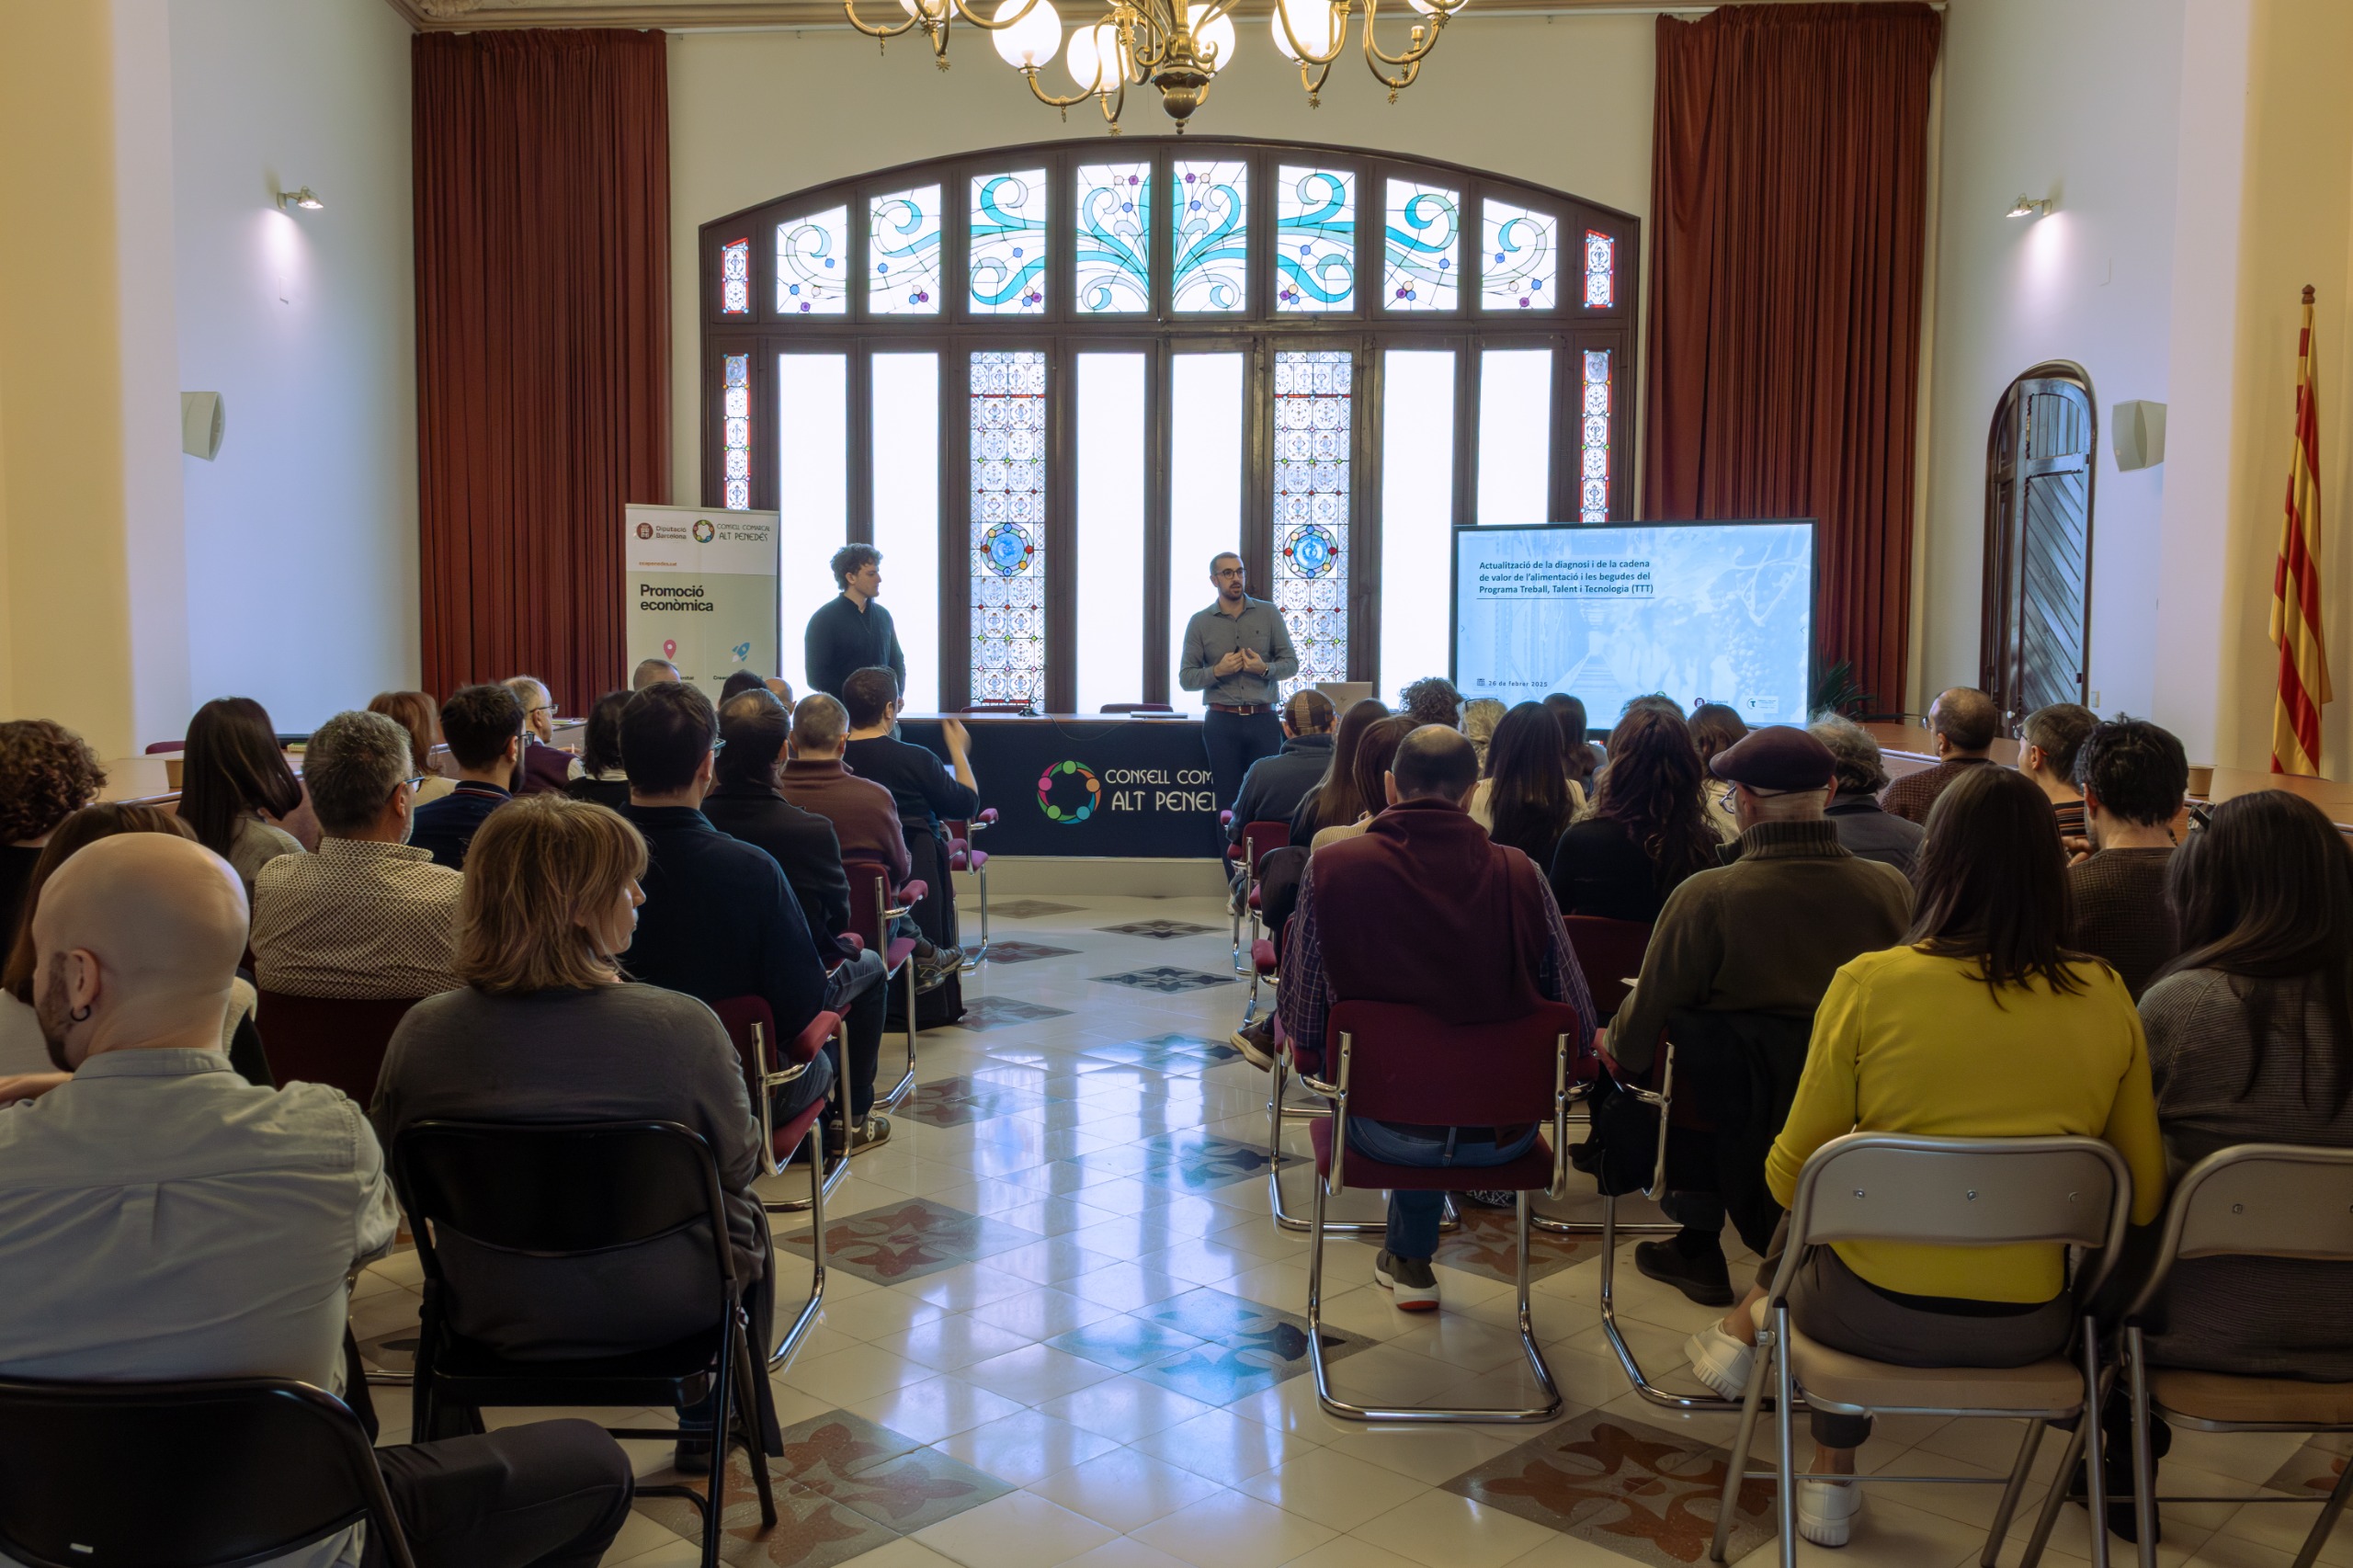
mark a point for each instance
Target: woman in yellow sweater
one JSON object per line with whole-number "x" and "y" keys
{"x": 1983, "y": 1025}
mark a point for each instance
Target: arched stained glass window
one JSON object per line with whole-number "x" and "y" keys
{"x": 1208, "y": 211}
{"x": 1521, "y": 269}
{"x": 813, "y": 265}
{"x": 1421, "y": 267}
{"x": 1114, "y": 238}
{"x": 1008, "y": 517}
{"x": 1008, "y": 243}
{"x": 1315, "y": 239}
{"x": 902, "y": 253}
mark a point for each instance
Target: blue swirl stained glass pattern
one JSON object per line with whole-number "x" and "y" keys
{"x": 1008, "y": 524}
{"x": 1519, "y": 264}
{"x": 1421, "y": 252}
{"x": 735, "y": 432}
{"x": 1314, "y": 393}
{"x": 1114, "y": 239}
{"x": 1315, "y": 240}
{"x": 1208, "y": 209}
{"x": 902, "y": 253}
{"x": 813, "y": 265}
{"x": 1593, "y": 471}
{"x": 1009, "y": 243}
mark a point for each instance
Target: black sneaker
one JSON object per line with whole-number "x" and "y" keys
{"x": 1705, "y": 1278}
{"x": 1256, "y": 1043}
{"x": 1411, "y": 1279}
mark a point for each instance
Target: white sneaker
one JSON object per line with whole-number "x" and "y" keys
{"x": 1826, "y": 1510}
{"x": 1720, "y": 1361}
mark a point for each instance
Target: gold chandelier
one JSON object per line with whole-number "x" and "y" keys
{"x": 1175, "y": 47}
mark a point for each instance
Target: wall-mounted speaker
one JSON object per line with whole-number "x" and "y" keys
{"x": 203, "y": 418}
{"x": 2139, "y": 432}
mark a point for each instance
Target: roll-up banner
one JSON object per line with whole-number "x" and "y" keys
{"x": 701, "y": 591}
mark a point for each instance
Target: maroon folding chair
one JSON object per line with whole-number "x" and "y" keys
{"x": 1396, "y": 1062}
{"x": 159, "y": 748}
{"x": 871, "y": 911}
{"x": 328, "y": 1040}
{"x": 752, "y": 1026}
{"x": 1258, "y": 839}
{"x": 964, "y": 856}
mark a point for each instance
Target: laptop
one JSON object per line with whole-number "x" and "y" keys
{"x": 1344, "y": 692}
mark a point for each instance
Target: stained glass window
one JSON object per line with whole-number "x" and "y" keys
{"x": 1209, "y": 207}
{"x": 1593, "y": 476}
{"x": 1009, "y": 525}
{"x": 1312, "y": 394}
{"x": 1114, "y": 242}
{"x": 1421, "y": 258}
{"x": 1519, "y": 269}
{"x": 735, "y": 278}
{"x": 812, "y": 264}
{"x": 1009, "y": 243}
{"x": 1600, "y": 264}
{"x": 735, "y": 428}
{"x": 902, "y": 253}
{"x": 1315, "y": 240}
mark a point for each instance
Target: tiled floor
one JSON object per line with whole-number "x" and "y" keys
{"x": 1062, "y": 1327}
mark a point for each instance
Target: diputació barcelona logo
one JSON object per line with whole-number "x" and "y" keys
{"x": 1068, "y": 792}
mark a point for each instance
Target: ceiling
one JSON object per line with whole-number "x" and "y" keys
{"x": 466, "y": 15}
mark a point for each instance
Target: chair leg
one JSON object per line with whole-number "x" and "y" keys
{"x": 1785, "y": 1466}
{"x": 2056, "y": 1498}
{"x": 2144, "y": 1464}
{"x": 836, "y": 1164}
{"x": 906, "y": 1083}
{"x": 791, "y": 1340}
{"x": 1276, "y": 1111}
{"x": 1736, "y": 1472}
{"x": 2330, "y": 1512}
{"x": 2095, "y": 1451}
{"x": 2020, "y": 1470}
{"x": 1617, "y": 1337}
{"x": 723, "y": 1440}
{"x": 747, "y": 1420}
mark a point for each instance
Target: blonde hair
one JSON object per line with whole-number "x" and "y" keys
{"x": 1480, "y": 716}
{"x": 536, "y": 867}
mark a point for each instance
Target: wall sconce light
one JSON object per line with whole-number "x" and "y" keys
{"x": 2022, "y": 207}
{"x": 302, "y": 199}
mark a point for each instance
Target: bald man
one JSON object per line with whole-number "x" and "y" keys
{"x": 1962, "y": 721}
{"x": 163, "y": 1219}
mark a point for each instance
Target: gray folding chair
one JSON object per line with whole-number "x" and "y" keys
{"x": 2256, "y": 1201}
{"x": 1959, "y": 1192}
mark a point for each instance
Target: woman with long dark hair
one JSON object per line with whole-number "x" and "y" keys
{"x": 1649, "y": 830}
{"x": 236, "y": 788}
{"x": 1368, "y": 772}
{"x": 1982, "y": 1025}
{"x": 1525, "y": 801}
{"x": 1333, "y": 802}
{"x": 601, "y": 777}
{"x": 1578, "y": 759}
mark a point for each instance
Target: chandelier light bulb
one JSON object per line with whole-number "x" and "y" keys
{"x": 930, "y": 10}
{"x": 1092, "y": 47}
{"x": 1311, "y": 22}
{"x": 1216, "y": 35}
{"x": 1032, "y": 41}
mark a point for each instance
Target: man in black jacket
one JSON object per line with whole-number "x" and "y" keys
{"x": 851, "y": 631}
{"x": 745, "y": 805}
{"x": 1275, "y": 785}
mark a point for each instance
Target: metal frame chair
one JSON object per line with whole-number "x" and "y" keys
{"x": 871, "y": 907}
{"x": 1286, "y": 1068}
{"x": 752, "y": 1026}
{"x": 336, "y": 1040}
{"x": 1961, "y": 1192}
{"x": 1515, "y": 1085}
{"x": 2255, "y": 1200}
{"x": 157, "y": 1475}
{"x": 962, "y": 856}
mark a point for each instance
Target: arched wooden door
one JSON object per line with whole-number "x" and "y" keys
{"x": 2036, "y": 641}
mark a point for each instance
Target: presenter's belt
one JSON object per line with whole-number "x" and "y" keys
{"x": 1244, "y": 709}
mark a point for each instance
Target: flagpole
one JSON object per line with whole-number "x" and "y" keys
{"x": 2296, "y": 631}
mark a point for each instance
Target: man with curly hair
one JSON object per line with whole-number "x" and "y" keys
{"x": 1432, "y": 700}
{"x": 47, "y": 773}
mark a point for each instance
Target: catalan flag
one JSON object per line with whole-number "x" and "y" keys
{"x": 2295, "y": 587}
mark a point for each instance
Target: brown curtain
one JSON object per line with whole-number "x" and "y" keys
{"x": 543, "y": 188}
{"x": 1789, "y": 192}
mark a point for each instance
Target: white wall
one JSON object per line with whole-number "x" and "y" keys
{"x": 302, "y": 555}
{"x": 1560, "y": 102}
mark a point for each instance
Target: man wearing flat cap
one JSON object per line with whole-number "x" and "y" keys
{"x": 1761, "y": 935}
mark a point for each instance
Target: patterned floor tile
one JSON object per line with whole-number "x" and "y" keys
{"x": 1029, "y": 909}
{"x": 1175, "y": 1054}
{"x": 1125, "y": 1342}
{"x": 959, "y": 1101}
{"x": 907, "y": 1241}
{"x": 984, "y": 1013}
{"x": 1244, "y": 1347}
{"x": 2313, "y": 1469}
{"x": 1168, "y": 981}
{"x": 1645, "y": 1494}
{"x": 1159, "y": 931}
{"x": 1198, "y": 1160}
{"x": 1025, "y": 953}
{"x": 1484, "y": 1246}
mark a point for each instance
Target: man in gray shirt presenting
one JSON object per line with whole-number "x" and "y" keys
{"x": 1236, "y": 651}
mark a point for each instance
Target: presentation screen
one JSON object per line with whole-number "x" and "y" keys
{"x": 1705, "y": 612}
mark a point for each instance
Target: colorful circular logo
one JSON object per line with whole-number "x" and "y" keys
{"x": 1006, "y": 548}
{"x": 704, "y": 533}
{"x": 1311, "y": 549}
{"x": 1068, "y": 792}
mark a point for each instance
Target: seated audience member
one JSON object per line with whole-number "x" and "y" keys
{"x": 737, "y": 683}
{"x": 1332, "y": 800}
{"x": 1716, "y": 728}
{"x": 1951, "y": 1035}
{"x": 1422, "y": 909}
{"x": 719, "y": 920}
{"x": 546, "y": 766}
{"x": 1525, "y": 799}
{"x": 1374, "y": 748}
{"x": 1480, "y": 716}
{"x": 925, "y": 790}
{"x": 2134, "y": 775}
{"x": 369, "y": 914}
{"x": 782, "y": 690}
{"x": 1579, "y": 758}
{"x": 1648, "y": 830}
{"x": 420, "y": 716}
{"x": 1864, "y": 826}
{"x": 601, "y": 777}
{"x": 1962, "y": 721}
{"x": 2049, "y": 742}
{"x": 1275, "y": 785}
{"x": 160, "y": 1219}
{"x": 745, "y": 805}
{"x": 484, "y": 728}
{"x": 1432, "y": 700}
{"x": 235, "y": 788}
{"x": 22, "y": 1048}
{"x": 652, "y": 672}
{"x": 547, "y": 1027}
{"x": 1761, "y": 935}
{"x": 865, "y": 817}
{"x": 47, "y": 773}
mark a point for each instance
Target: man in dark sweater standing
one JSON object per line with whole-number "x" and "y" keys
{"x": 851, "y": 631}
{"x": 2134, "y": 775}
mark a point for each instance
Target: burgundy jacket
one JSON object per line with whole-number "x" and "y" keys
{"x": 865, "y": 817}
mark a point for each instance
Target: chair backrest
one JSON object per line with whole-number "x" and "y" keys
{"x": 159, "y": 748}
{"x": 2258, "y": 1200}
{"x": 183, "y": 1474}
{"x": 327, "y": 1039}
{"x": 751, "y": 1024}
{"x": 1407, "y": 1063}
{"x": 558, "y": 1189}
{"x": 1261, "y": 837}
{"x": 1610, "y": 953}
{"x": 869, "y": 896}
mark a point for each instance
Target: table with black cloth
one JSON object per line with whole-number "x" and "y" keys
{"x": 1089, "y": 785}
